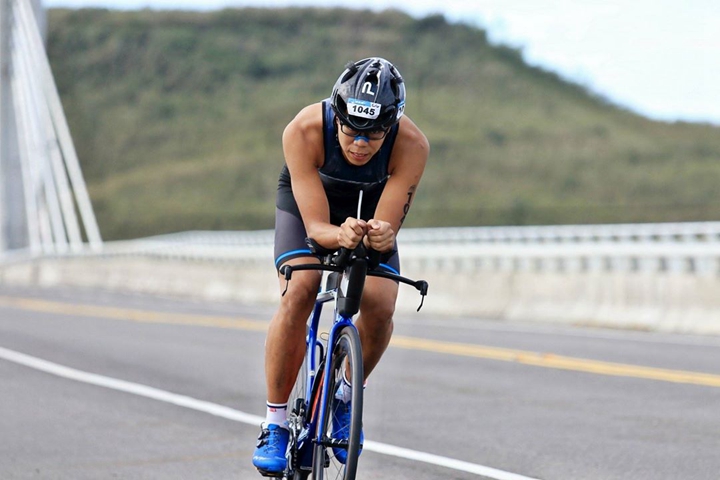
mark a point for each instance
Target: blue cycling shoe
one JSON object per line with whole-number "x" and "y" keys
{"x": 269, "y": 457}
{"x": 341, "y": 428}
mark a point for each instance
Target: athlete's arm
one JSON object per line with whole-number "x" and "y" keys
{"x": 304, "y": 152}
{"x": 407, "y": 164}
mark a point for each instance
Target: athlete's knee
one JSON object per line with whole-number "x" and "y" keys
{"x": 378, "y": 301}
{"x": 301, "y": 293}
{"x": 379, "y": 311}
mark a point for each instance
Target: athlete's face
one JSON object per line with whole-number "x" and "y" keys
{"x": 359, "y": 147}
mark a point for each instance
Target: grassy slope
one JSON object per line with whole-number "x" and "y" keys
{"x": 177, "y": 119}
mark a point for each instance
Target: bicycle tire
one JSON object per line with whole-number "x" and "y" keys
{"x": 325, "y": 465}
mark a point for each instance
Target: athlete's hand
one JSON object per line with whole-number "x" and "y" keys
{"x": 380, "y": 235}
{"x": 352, "y": 232}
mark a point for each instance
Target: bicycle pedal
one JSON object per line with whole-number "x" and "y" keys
{"x": 268, "y": 474}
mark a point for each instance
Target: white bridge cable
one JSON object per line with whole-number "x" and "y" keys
{"x": 26, "y": 18}
{"x": 31, "y": 208}
{"x": 51, "y": 152}
{"x": 38, "y": 155}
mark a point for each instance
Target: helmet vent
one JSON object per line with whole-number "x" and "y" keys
{"x": 394, "y": 85}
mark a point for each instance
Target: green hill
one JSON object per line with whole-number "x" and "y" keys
{"x": 177, "y": 118}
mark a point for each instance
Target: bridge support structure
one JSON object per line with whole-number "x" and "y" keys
{"x": 44, "y": 204}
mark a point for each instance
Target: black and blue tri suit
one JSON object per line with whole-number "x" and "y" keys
{"x": 342, "y": 182}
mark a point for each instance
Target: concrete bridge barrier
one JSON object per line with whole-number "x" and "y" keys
{"x": 655, "y": 286}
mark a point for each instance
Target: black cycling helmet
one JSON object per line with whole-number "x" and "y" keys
{"x": 369, "y": 95}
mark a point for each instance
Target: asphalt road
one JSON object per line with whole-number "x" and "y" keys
{"x": 530, "y": 401}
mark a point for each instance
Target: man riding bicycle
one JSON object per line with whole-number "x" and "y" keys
{"x": 359, "y": 140}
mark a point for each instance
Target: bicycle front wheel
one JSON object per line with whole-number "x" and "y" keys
{"x": 345, "y": 356}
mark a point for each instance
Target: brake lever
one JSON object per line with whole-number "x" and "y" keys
{"x": 422, "y": 286}
{"x": 286, "y": 270}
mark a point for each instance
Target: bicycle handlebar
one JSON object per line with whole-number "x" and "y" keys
{"x": 344, "y": 259}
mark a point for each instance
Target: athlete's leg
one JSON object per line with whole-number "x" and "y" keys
{"x": 375, "y": 322}
{"x": 285, "y": 343}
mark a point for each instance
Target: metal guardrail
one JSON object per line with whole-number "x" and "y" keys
{"x": 649, "y": 232}
{"x": 700, "y": 258}
{"x": 690, "y": 248}
{"x": 689, "y": 232}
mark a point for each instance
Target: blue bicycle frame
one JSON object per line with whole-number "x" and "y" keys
{"x": 314, "y": 404}
{"x": 354, "y": 266}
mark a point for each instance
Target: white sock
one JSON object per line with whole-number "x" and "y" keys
{"x": 277, "y": 414}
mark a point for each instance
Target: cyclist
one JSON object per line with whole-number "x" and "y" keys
{"x": 357, "y": 140}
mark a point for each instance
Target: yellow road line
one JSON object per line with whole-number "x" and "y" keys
{"x": 143, "y": 316}
{"x": 546, "y": 360}
{"x": 549, "y": 360}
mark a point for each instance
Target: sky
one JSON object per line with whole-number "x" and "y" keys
{"x": 659, "y": 58}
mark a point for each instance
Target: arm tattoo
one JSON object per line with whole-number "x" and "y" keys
{"x": 406, "y": 208}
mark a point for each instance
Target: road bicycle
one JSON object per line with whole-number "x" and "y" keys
{"x": 312, "y": 446}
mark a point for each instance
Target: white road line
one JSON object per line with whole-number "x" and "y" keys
{"x": 236, "y": 415}
{"x": 451, "y": 463}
